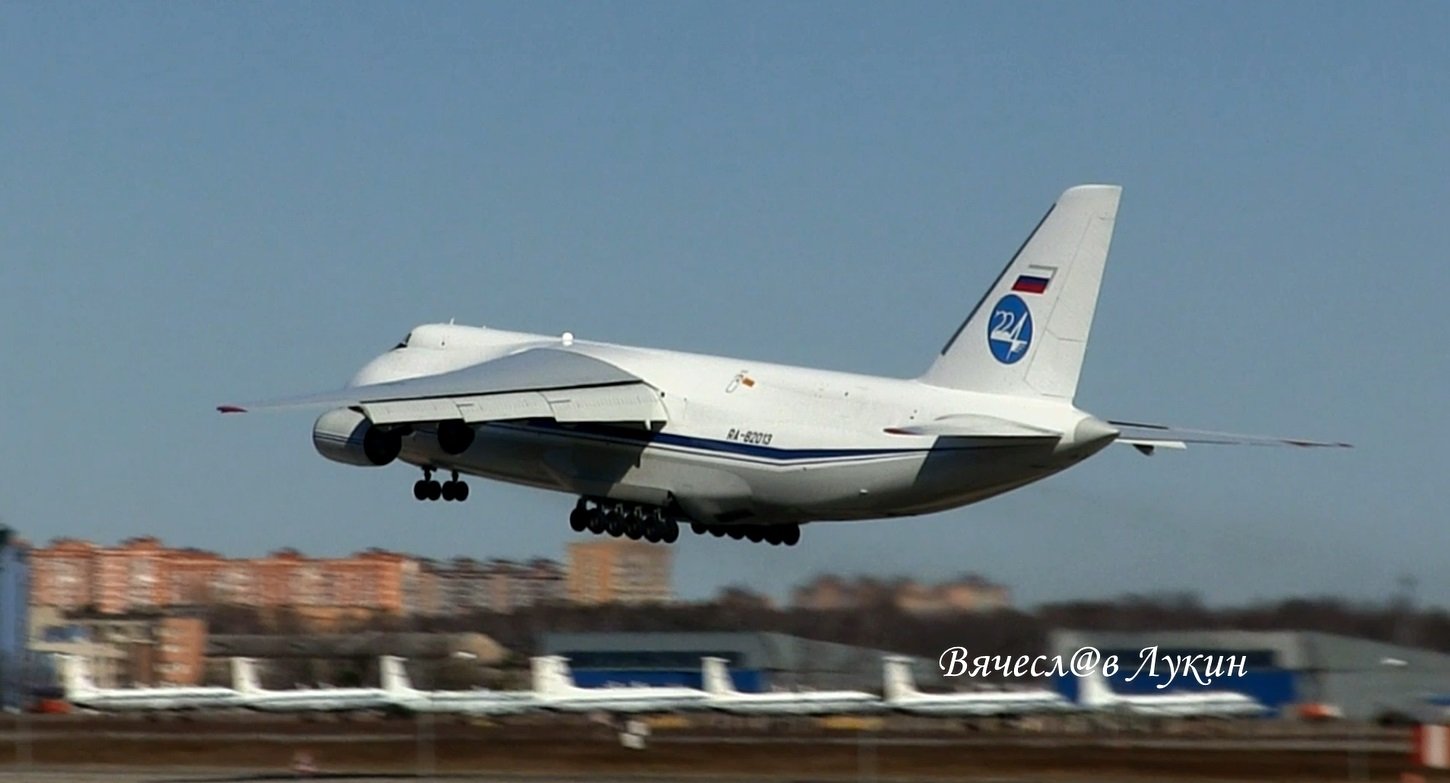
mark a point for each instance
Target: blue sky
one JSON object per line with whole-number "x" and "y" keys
{"x": 209, "y": 202}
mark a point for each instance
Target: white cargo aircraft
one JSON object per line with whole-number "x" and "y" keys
{"x": 902, "y": 696}
{"x": 555, "y": 690}
{"x": 1094, "y": 693}
{"x": 252, "y": 696}
{"x": 648, "y": 438}
{"x": 81, "y": 691}
{"x": 404, "y": 696}
{"x": 724, "y": 697}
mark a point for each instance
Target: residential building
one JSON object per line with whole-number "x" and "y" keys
{"x": 969, "y": 593}
{"x": 608, "y": 571}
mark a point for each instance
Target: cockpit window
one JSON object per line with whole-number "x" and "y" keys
{"x": 404, "y": 343}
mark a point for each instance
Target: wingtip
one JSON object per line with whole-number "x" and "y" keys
{"x": 230, "y": 409}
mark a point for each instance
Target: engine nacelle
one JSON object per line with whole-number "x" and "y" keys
{"x": 346, "y": 436}
{"x": 454, "y": 436}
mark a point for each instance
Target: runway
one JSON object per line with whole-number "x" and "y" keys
{"x": 218, "y": 749}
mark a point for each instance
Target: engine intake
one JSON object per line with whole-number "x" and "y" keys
{"x": 454, "y": 436}
{"x": 346, "y": 436}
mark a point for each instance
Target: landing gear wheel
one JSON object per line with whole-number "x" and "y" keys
{"x": 435, "y": 490}
{"x": 699, "y": 529}
{"x": 735, "y": 533}
{"x": 671, "y": 532}
{"x": 633, "y": 529}
{"x": 774, "y": 535}
{"x": 420, "y": 489}
{"x": 596, "y": 521}
{"x": 614, "y": 524}
{"x": 652, "y": 533}
{"x": 755, "y": 534}
{"x": 579, "y": 519}
{"x": 447, "y": 490}
{"x": 716, "y": 531}
{"x": 791, "y": 535}
{"x": 460, "y": 492}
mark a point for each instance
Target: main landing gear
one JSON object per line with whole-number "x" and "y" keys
{"x": 428, "y": 489}
{"x": 630, "y": 520}
{"x": 775, "y": 535}
{"x": 656, "y": 525}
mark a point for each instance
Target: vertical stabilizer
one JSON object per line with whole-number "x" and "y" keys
{"x": 716, "y": 677}
{"x": 899, "y": 684}
{"x": 394, "y": 675}
{"x": 1093, "y": 691}
{"x": 76, "y": 675}
{"x": 244, "y": 676}
{"x": 551, "y": 675}
{"x": 1027, "y": 335}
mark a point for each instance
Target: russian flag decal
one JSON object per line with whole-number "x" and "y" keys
{"x": 1031, "y": 284}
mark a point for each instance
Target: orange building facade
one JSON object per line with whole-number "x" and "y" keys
{"x": 144, "y": 574}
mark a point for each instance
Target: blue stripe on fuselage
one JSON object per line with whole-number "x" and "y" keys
{"x": 726, "y": 448}
{"x": 643, "y": 438}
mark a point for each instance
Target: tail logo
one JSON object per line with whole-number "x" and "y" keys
{"x": 1009, "y": 330}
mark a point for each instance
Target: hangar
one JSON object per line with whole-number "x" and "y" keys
{"x": 1360, "y": 678}
{"x": 759, "y": 661}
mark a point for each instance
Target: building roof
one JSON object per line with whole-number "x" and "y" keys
{"x": 356, "y": 645}
{"x": 1294, "y": 650}
{"x": 750, "y": 649}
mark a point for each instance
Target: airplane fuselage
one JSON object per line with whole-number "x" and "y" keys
{"x": 746, "y": 441}
{"x": 982, "y": 704}
{"x": 822, "y": 703}
{"x": 155, "y": 699}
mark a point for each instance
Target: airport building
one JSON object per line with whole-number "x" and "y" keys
{"x": 14, "y": 625}
{"x": 1292, "y": 672}
{"x": 758, "y": 661}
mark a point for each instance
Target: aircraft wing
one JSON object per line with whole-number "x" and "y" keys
{"x": 533, "y": 383}
{"x": 1148, "y": 437}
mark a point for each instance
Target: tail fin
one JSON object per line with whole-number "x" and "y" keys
{"x": 716, "y": 677}
{"x": 551, "y": 675}
{"x": 75, "y": 675}
{"x": 1027, "y": 335}
{"x": 394, "y": 675}
{"x": 1093, "y": 691}
{"x": 898, "y": 683}
{"x": 244, "y": 675}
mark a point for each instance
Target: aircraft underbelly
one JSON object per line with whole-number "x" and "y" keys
{"x": 717, "y": 486}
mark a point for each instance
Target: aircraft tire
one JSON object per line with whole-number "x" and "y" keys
{"x": 791, "y": 535}
{"x": 579, "y": 519}
{"x": 420, "y": 490}
{"x": 595, "y": 521}
{"x": 671, "y": 532}
{"x": 755, "y": 534}
{"x": 460, "y": 493}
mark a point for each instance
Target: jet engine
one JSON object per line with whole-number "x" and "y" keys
{"x": 346, "y": 436}
{"x": 454, "y": 436}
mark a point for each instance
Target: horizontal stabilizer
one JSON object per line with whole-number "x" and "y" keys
{"x": 1147, "y": 437}
{"x": 970, "y": 425}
